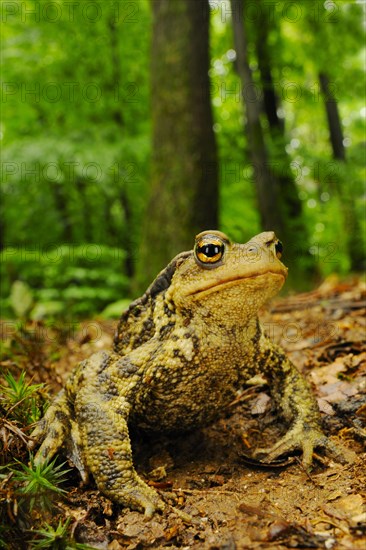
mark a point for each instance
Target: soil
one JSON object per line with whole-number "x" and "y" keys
{"x": 217, "y": 496}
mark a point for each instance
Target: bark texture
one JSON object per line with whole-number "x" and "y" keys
{"x": 184, "y": 175}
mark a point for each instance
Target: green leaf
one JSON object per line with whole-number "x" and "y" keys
{"x": 21, "y": 298}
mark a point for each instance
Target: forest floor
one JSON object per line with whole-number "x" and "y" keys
{"x": 218, "y": 498}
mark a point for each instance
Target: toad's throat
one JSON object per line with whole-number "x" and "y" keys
{"x": 227, "y": 283}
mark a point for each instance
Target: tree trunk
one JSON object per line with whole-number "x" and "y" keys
{"x": 59, "y": 195}
{"x": 279, "y": 204}
{"x": 184, "y": 175}
{"x": 270, "y": 98}
{"x": 350, "y": 217}
{"x": 334, "y": 122}
{"x": 116, "y": 69}
{"x": 291, "y": 204}
{"x": 265, "y": 183}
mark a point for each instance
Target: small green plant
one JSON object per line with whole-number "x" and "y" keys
{"x": 38, "y": 483}
{"x": 21, "y": 400}
{"x": 32, "y": 487}
{"x": 56, "y": 538}
{"x": 49, "y": 537}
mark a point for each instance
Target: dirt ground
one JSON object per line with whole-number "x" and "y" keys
{"x": 217, "y": 497}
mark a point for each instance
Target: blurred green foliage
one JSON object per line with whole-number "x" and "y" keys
{"x": 76, "y": 139}
{"x": 64, "y": 280}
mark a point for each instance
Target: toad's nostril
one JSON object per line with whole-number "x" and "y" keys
{"x": 279, "y": 249}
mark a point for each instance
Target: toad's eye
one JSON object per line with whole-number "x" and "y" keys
{"x": 209, "y": 251}
{"x": 279, "y": 249}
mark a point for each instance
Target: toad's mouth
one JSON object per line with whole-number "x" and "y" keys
{"x": 258, "y": 280}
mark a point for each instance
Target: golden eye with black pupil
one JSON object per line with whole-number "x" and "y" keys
{"x": 209, "y": 251}
{"x": 279, "y": 249}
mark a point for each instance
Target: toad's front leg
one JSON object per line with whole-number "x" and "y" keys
{"x": 102, "y": 421}
{"x": 299, "y": 407}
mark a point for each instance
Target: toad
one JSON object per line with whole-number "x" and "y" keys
{"x": 182, "y": 352}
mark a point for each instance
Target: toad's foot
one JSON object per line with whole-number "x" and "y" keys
{"x": 53, "y": 427}
{"x": 305, "y": 438}
{"x": 135, "y": 494}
